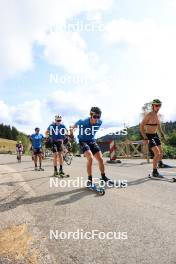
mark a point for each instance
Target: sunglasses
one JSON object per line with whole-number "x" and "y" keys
{"x": 96, "y": 116}
{"x": 157, "y": 105}
{"x": 58, "y": 121}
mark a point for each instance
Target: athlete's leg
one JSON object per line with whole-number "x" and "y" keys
{"x": 60, "y": 160}
{"x": 161, "y": 152}
{"x": 55, "y": 156}
{"x": 156, "y": 157}
{"x": 40, "y": 160}
{"x": 35, "y": 159}
{"x": 20, "y": 154}
{"x": 32, "y": 154}
{"x": 99, "y": 158}
{"x": 89, "y": 156}
{"x": 158, "y": 153}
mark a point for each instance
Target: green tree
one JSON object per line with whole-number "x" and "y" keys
{"x": 25, "y": 141}
{"x": 75, "y": 148}
{"x": 172, "y": 139}
{"x": 15, "y": 133}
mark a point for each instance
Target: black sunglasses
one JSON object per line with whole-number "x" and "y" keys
{"x": 157, "y": 105}
{"x": 96, "y": 116}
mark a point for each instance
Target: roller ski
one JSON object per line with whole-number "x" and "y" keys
{"x": 155, "y": 175}
{"x": 40, "y": 169}
{"x": 112, "y": 184}
{"x": 60, "y": 174}
{"x": 162, "y": 165}
{"x": 63, "y": 174}
{"x": 93, "y": 187}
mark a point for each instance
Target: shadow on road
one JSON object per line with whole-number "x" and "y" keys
{"x": 130, "y": 183}
{"x": 13, "y": 183}
{"x": 138, "y": 181}
{"x": 15, "y": 172}
{"x": 146, "y": 179}
{"x": 75, "y": 195}
{"x": 125, "y": 165}
{"x": 14, "y": 162}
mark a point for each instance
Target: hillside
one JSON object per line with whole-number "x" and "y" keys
{"x": 134, "y": 133}
{"x": 169, "y": 145}
{"x": 11, "y": 133}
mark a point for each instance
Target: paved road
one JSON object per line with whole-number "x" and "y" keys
{"x": 145, "y": 211}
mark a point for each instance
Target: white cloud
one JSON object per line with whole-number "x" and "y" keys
{"x": 143, "y": 62}
{"x": 4, "y": 113}
{"x": 172, "y": 3}
{"x": 152, "y": 44}
{"x": 26, "y": 114}
{"x": 148, "y": 52}
{"x": 67, "y": 50}
{"x": 22, "y": 24}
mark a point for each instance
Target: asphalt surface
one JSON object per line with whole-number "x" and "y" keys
{"x": 143, "y": 215}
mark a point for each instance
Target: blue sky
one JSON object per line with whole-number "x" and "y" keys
{"x": 126, "y": 60}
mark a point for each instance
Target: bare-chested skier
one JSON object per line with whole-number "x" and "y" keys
{"x": 149, "y": 128}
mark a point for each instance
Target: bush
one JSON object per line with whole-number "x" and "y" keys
{"x": 172, "y": 139}
{"x": 169, "y": 152}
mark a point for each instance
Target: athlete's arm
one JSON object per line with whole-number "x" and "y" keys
{"x": 74, "y": 127}
{"x": 142, "y": 126}
{"x": 161, "y": 132}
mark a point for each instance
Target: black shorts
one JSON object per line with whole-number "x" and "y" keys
{"x": 37, "y": 151}
{"x": 57, "y": 146}
{"x": 89, "y": 145}
{"x": 154, "y": 140}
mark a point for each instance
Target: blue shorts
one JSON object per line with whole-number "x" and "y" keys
{"x": 89, "y": 145}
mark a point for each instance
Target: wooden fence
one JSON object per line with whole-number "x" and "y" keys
{"x": 131, "y": 149}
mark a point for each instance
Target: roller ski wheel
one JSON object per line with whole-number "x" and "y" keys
{"x": 102, "y": 192}
{"x": 156, "y": 175}
{"x": 40, "y": 169}
{"x": 62, "y": 174}
{"x": 93, "y": 187}
{"x": 55, "y": 174}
